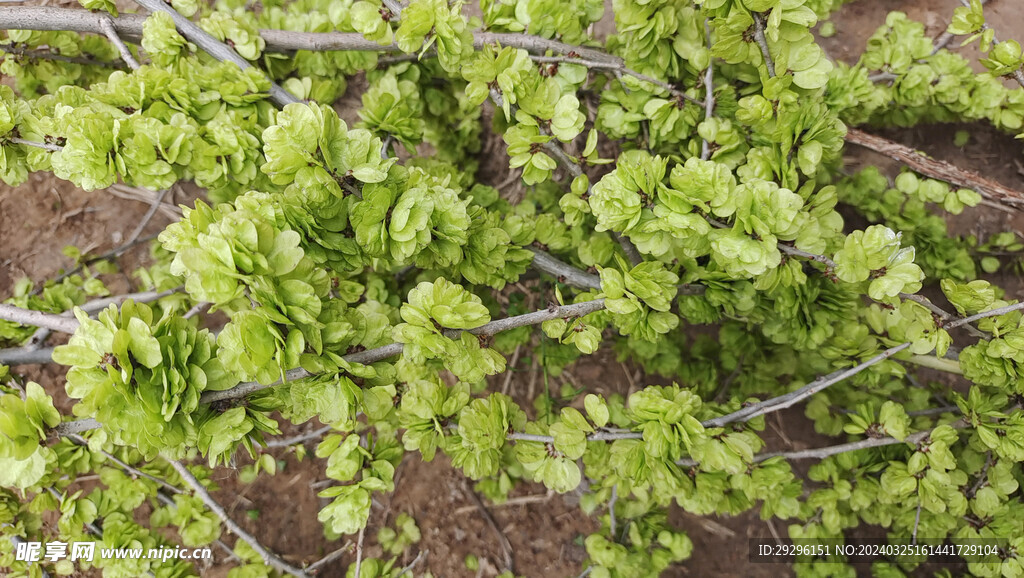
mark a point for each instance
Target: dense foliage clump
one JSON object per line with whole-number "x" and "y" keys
{"x": 684, "y": 172}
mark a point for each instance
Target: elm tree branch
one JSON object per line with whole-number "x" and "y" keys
{"x": 782, "y": 247}
{"x": 141, "y": 297}
{"x": 396, "y": 10}
{"x": 39, "y": 145}
{"x": 381, "y": 353}
{"x": 937, "y": 169}
{"x": 75, "y": 427}
{"x": 615, "y": 65}
{"x": 564, "y": 272}
{"x": 65, "y": 323}
{"x": 822, "y": 453}
{"x": 18, "y": 541}
{"x": 90, "y": 307}
{"x": 601, "y": 436}
{"x": 941, "y": 313}
{"x": 268, "y": 557}
{"x": 506, "y": 546}
{"x": 38, "y": 318}
{"x": 25, "y": 356}
{"x": 130, "y": 26}
{"x": 632, "y": 253}
{"x": 211, "y": 45}
{"x": 783, "y": 401}
{"x": 789, "y": 399}
{"x": 575, "y": 277}
{"x": 579, "y": 309}
{"x": 33, "y": 353}
{"x": 831, "y": 265}
{"x": 413, "y": 564}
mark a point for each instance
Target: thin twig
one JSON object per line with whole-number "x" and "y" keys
{"x": 941, "y": 313}
{"x": 934, "y": 411}
{"x": 135, "y": 472}
{"x": 762, "y": 42}
{"x": 359, "y": 550}
{"x": 91, "y": 526}
{"x": 506, "y": 546}
{"x": 946, "y": 37}
{"x": 728, "y": 380}
{"x": 126, "y": 55}
{"x": 775, "y": 533}
{"x": 709, "y": 92}
{"x": 149, "y": 215}
{"x": 285, "y": 442}
{"x": 883, "y": 77}
{"x": 312, "y": 568}
{"x": 140, "y": 297}
{"x": 982, "y": 477}
{"x": 1017, "y": 74}
{"x": 170, "y": 210}
{"x": 197, "y": 487}
{"x": 21, "y": 52}
{"x": 783, "y": 401}
{"x": 511, "y": 502}
{"x": 413, "y": 564}
{"x": 510, "y": 371}
{"x": 917, "y": 521}
{"x": 116, "y": 252}
{"x": 782, "y": 247}
{"x": 574, "y": 169}
{"x": 791, "y": 250}
{"x": 66, "y": 322}
{"x": 611, "y": 510}
{"x": 196, "y": 309}
{"x": 39, "y": 145}
{"x": 789, "y": 399}
{"x": 396, "y": 10}
{"x": 602, "y": 436}
{"x": 575, "y": 277}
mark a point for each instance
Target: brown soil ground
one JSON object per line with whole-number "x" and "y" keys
{"x": 544, "y": 532}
